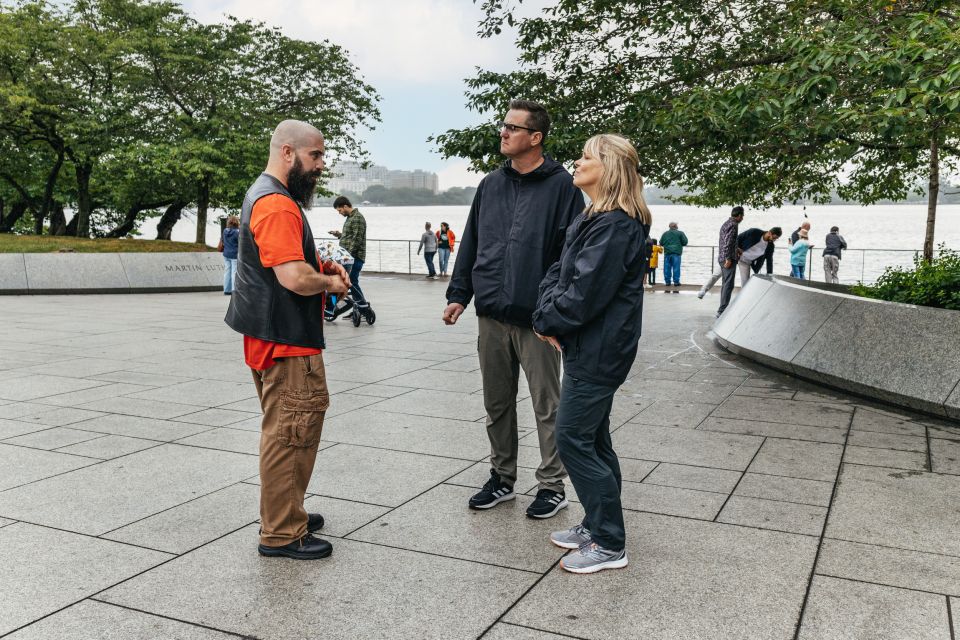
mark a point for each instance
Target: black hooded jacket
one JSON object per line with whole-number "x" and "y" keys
{"x": 514, "y": 233}
{"x": 592, "y": 299}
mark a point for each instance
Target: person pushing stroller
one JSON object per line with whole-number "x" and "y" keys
{"x": 353, "y": 239}
{"x": 352, "y": 301}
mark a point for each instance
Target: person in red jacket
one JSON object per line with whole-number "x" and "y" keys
{"x": 445, "y": 242}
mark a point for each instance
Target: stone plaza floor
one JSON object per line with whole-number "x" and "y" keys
{"x": 757, "y": 506}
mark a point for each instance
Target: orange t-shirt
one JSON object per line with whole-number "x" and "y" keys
{"x": 278, "y": 229}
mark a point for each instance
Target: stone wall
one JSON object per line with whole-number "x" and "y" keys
{"x": 897, "y": 353}
{"x": 26, "y": 273}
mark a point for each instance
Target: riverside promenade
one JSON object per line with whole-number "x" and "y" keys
{"x": 759, "y": 507}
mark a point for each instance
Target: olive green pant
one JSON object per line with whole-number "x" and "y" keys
{"x": 504, "y": 349}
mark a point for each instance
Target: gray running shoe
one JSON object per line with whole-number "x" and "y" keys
{"x": 571, "y": 538}
{"x": 591, "y": 558}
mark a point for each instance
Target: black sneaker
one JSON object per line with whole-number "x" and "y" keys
{"x": 306, "y": 548}
{"x": 547, "y": 504}
{"x": 492, "y": 494}
{"x": 314, "y": 522}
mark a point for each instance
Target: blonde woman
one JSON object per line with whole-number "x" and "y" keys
{"x": 589, "y": 309}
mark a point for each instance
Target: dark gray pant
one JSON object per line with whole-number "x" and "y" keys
{"x": 726, "y": 287}
{"x": 583, "y": 439}
{"x": 503, "y": 349}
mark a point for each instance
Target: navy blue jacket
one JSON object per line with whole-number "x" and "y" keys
{"x": 592, "y": 299}
{"x": 514, "y": 233}
{"x": 231, "y": 241}
{"x": 751, "y": 237}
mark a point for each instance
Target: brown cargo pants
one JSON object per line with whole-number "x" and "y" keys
{"x": 503, "y": 349}
{"x": 293, "y": 395}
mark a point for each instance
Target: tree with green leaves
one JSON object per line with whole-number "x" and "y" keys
{"x": 752, "y": 101}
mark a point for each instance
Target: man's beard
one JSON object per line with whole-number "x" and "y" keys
{"x": 301, "y": 184}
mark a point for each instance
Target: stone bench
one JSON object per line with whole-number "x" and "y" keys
{"x": 898, "y": 353}
{"x": 65, "y": 273}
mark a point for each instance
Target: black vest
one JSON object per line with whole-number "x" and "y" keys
{"x": 260, "y": 306}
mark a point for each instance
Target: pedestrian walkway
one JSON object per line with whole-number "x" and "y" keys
{"x": 758, "y": 507}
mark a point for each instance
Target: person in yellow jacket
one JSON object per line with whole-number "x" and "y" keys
{"x": 655, "y": 251}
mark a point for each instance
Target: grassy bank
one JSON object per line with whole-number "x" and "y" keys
{"x": 10, "y": 243}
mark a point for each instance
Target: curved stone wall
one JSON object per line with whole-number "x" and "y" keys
{"x": 898, "y": 353}
{"x": 25, "y": 273}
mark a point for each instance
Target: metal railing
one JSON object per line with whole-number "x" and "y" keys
{"x": 698, "y": 261}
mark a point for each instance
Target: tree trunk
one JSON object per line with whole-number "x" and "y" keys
{"x": 84, "y": 199}
{"x": 17, "y": 209}
{"x": 58, "y": 220}
{"x": 169, "y": 218}
{"x": 203, "y": 203}
{"x": 932, "y": 195}
{"x": 48, "y": 204}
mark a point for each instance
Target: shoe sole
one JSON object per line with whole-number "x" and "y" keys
{"x": 566, "y": 545}
{"x": 294, "y": 555}
{"x": 613, "y": 564}
{"x": 490, "y": 505}
{"x": 544, "y": 516}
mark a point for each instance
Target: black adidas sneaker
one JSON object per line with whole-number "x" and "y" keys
{"x": 547, "y": 504}
{"x": 492, "y": 494}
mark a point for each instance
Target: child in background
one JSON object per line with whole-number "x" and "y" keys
{"x": 655, "y": 251}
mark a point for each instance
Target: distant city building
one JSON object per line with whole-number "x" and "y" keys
{"x": 350, "y": 176}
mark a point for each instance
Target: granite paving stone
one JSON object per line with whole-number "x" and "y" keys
{"x": 60, "y": 417}
{"x": 885, "y": 565}
{"x": 363, "y": 590}
{"x": 674, "y": 413}
{"x": 904, "y": 509}
{"x": 92, "y": 620}
{"x": 53, "y": 438}
{"x": 217, "y": 417}
{"x": 140, "y": 378}
{"x": 896, "y": 441}
{"x": 845, "y": 610}
{"x": 111, "y": 494}
{"x": 771, "y": 514}
{"x": 372, "y": 369}
{"x": 440, "y": 380}
{"x": 204, "y": 393}
{"x": 342, "y": 516}
{"x": 788, "y": 411}
{"x": 700, "y": 392}
{"x": 798, "y": 459}
{"x": 191, "y": 524}
{"x": 141, "y": 407}
{"x": 14, "y": 428}
{"x": 439, "y": 522}
{"x": 104, "y": 391}
{"x": 138, "y": 427}
{"x": 70, "y": 568}
{"x": 344, "y": 403}
{"x": 22, "y": 465}
{"x": 225, "y": 439}
{"x": 424, "y": 402}
{"x": 672, "y": 501}
{"x": 699, "y": 478}
{"x": 504, "y": 631}
{"x": 889, "y": 458}
{"x": 380, "y": 390}
{"x": 419, "y": 434}
{"x": 867, "y": 420}
{"x": 11, "y": 410}
{"x": 107, "y": 447}
{"x": 32, "y": 387}
{"x": 4, "y": 522}
{"x": 78, "y": 367}
{"x": 475, "y": 476}
{"x": 812, "y": 492}
{"x": 687, "y": 579}
{"x": 945, "y": 455}
{"x": 345, "y": 471}
{"x": 774, "y": 430}
{"x": 685, "y": 446}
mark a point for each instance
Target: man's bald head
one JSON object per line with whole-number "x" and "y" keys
{"x": 296, "y": 134}
{"x": 296, "y": 158}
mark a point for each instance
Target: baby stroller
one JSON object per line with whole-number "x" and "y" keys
{"x": 352, "y": 301}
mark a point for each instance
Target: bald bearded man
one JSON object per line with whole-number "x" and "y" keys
{"x": 277, "y": 305}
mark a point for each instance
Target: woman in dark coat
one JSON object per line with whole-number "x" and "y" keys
{"x": 589, "y": 308}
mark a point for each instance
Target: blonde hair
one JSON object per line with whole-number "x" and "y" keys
{"x": 233, "y": 221}
{"x": 621, "y": 186}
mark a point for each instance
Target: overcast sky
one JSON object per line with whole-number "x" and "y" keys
{"x": 416, "y": 53}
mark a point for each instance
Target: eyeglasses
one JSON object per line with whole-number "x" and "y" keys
{"x": 513, "y": 128}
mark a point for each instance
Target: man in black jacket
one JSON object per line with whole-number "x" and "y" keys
{"x": 756, "y": 247}
{"x": 514, "y": 233}
{"x": 835, "y": 244}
